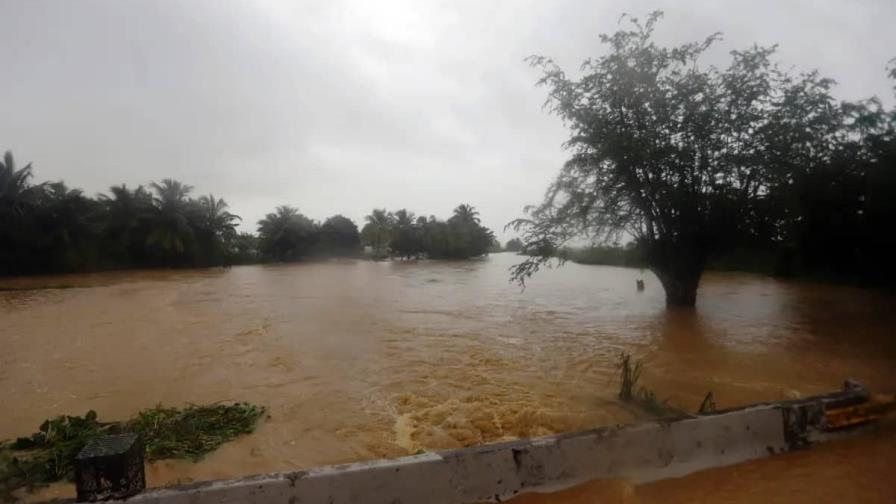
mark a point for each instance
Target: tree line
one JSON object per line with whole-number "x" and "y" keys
{"x": 51, "y": 228}
{"x": 700, "y": 165}
{"x": 287, "y": 235}
{"x": 402, "y": 234}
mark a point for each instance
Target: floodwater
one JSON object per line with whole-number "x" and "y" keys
{"x": 358, "y": 360}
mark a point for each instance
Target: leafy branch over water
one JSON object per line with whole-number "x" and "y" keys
{"x": 188, "y": 433}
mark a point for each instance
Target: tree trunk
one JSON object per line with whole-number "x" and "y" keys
{"x": 679, "y": 272}
{"x": 680, "y": 291}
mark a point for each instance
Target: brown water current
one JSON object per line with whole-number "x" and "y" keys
{"x": 359, "y": 360}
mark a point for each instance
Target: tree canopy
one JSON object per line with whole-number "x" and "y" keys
{"x": 49, "y": 227}
{"x": 689, "y": 159}
{"x": 339, "y": 236}
{"x": 514, "y": 245}
{"x": 403, "y": 235}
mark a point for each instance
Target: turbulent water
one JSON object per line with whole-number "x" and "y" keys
{"x": 360, "y": 360}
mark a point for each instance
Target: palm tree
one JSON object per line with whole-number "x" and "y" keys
{"x": 273, "y": 224}
{"x": 171, "y": 195}
{"x": 404, "y": 218}
{"x": 466, "y": 214}
{"x": 15, "y": 191}
{"x": 69, "y": 225}
{"x": 215, "y": 216}
{"x": 171, "y": 232}
{"x": 378, "y": 230}
{"x": 125, "y": 207}
{"x": 404, "y": 241}
{"x": 126, "y": 211}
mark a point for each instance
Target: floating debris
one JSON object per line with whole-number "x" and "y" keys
{"x": 48, "y": 455}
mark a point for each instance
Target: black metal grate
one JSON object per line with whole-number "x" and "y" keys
{"x": 110, "y": 467}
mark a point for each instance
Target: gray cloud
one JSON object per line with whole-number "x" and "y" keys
{"x": 344, "y": 106}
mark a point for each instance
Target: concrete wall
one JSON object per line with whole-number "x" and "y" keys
{"x": 495, "y": 472}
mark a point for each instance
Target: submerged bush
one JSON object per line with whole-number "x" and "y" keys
{"x": 48, "y": 455}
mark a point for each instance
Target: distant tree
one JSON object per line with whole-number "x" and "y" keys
{"x": 124, "y": 224}
{"x": 460, "y": 237}
{"x": 215, "y": 216}
{"x": 171, "y": 238}
{"x": 405, "y": 240}
{"x": 471, "y": 238}
{"x": 514, "y": 245}
{"x": 466, "y": 214}
{"x": 215, "y": 229}
{"x": 50, "y": 227}
{"x": 377, "y": 232}
{"x": 286, "y": 235}
{"x": 171, "y": 195}
{"x": 16, "y": 233}
{"x": 15, "y": 190}
{"x": 243, "y": 249}
{"x": 339, "y": 236}
{"x": 68, "y": 226}
{"x": 684, "y": 158}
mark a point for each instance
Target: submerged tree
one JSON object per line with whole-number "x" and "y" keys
{"x": 682, "y": 157}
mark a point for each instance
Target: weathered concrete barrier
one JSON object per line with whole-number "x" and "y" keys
{"x": 643, "y": 452}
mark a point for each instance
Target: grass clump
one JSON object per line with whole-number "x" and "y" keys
{"x": 644, "y": 398}
{"x": 628, "y": 376}
{"x": 48, "y": 455}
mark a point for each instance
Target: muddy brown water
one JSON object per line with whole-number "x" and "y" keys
{"x": 359, "y": 360}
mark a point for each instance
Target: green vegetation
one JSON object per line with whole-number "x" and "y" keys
{"x": 749, "y": 165}
{"x": 49, "y": 228}
{"x": 514, "y": 245}
{"x": 643, "y": 398}
{"x": 286, "y": 235}
{"x": 192, "y": 432}
{"x": 403, "y": 235}
{"x": 608, "y": 255}
{"x": 189, "y": 433}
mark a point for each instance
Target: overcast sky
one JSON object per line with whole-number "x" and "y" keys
{"x": 343, "y": 106}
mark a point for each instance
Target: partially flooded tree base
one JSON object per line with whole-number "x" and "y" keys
{"x": 679, "y": 273}
{"x": 189, "y": 433}
{"x": 681, "y": 299}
